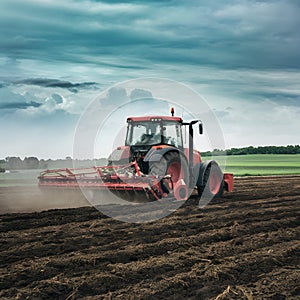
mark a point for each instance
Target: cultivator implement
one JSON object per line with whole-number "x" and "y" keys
{"x": 125, "y": 181}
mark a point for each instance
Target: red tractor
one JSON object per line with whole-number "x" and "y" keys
{"x": 153, "y": 164}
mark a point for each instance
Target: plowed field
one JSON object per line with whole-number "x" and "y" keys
{"x": 243, "y": 246}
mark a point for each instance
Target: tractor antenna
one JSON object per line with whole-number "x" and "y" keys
{"x": 172, "y": 111}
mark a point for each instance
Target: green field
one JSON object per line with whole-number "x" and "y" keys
{"x": 261, "y": 164}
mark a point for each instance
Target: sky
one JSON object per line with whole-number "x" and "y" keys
{"x": 56, "y": 57}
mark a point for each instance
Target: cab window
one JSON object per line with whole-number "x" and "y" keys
{"x": 172, "y": 134}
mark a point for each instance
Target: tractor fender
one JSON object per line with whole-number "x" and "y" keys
{"x": 156, "y": 153}
{"x": 201, "y": 168}
{"x": 120, "y": 156}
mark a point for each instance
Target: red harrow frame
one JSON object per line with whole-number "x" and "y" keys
{"x": 124, "y": 180}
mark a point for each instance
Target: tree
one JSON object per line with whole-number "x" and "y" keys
{"x": 14, "y": 163}
{"x": 31, "y": 163}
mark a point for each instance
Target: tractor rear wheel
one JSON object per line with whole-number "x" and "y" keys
{"x": 213, "y": 183}
{"x": 172, "y": 163}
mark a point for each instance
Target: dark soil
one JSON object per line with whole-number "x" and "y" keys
{"x": 243, "y": 246}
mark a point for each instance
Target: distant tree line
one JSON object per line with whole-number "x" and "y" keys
{"x": 16, "y": 163}
{"x": 290, "y": 149}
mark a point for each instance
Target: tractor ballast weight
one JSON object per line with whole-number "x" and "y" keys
{"x": 153, "y": 164}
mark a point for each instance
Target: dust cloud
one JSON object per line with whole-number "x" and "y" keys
{"x": 33, "y": 199}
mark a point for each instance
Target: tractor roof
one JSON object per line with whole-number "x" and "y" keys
{"x": 151, "y": 118}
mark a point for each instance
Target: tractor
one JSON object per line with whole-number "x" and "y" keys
{"x": 152, "y": 165}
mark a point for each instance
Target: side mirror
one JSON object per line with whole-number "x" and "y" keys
{"x": 200, "y": 128}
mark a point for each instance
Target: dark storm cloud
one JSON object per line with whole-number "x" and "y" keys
{"x": 45, "y": 82}
{"x": 231, "y": 34}
{"x": 19, "y": 105}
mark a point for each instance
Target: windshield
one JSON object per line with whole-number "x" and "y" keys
{"x": 153, "y": 133}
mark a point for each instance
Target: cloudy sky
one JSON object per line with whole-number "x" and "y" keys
{"x": 57, "y": 56}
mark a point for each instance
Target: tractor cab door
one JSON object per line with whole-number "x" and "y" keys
{"x": 171, "y": 134}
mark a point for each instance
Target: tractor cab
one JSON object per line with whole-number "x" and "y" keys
{"x": 144, "y": 134}
{"x": 152, "y": 131}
